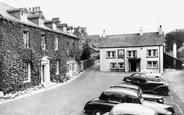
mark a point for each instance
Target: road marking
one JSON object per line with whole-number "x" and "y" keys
{"x": 170, "y": 95}
{"x": 176, "y": 105}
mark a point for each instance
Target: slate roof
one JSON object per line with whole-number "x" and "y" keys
{"x": 92, "y": 37}
{"x": 132, "y": 40}
{"x": 3, "y": 13}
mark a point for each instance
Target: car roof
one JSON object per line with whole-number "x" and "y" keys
{"x": 126, "y": 108}
{"x": 120, "y": 91}
{"x": 127, "y": 86}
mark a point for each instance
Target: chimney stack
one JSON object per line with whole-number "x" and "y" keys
{"x": 160, "y": 30}
{"x": 103, "y": 34}
{"x": 141, "y": 31}
{"x": 174, "y": 50}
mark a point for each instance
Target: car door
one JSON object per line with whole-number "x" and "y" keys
{"x": 142, "y": 82}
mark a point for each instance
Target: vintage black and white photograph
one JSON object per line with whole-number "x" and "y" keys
{"x": 91, "y": 57}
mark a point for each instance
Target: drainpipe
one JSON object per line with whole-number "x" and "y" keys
{"x": 159, "y": 60}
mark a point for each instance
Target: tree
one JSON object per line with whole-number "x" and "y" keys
{"x": 176, "y": 36}
{"x": 86, "y": 52}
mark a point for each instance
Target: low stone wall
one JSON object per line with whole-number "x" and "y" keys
{"x": 86, "y": 64}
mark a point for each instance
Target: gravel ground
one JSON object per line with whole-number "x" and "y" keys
{"x": 176, "y": 81}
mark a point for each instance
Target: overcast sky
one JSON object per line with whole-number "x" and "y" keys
{"x": 114, "y": 16}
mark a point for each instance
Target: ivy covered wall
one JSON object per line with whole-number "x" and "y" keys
{"x": 13, "y": 55}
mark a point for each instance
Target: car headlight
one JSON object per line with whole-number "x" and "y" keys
{"x": 166, "y": 84}
{"x": 161, "y": 100}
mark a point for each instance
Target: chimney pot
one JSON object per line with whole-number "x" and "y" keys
{"x": 38, "y": 8}
{"x": 141, "y": 31}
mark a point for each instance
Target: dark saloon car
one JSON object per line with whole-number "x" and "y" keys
{"x": 147, "y": 84}
{"x": 126, "y": 109}
{"x": 114, "y": 96}
{"x": 147, "y": 97}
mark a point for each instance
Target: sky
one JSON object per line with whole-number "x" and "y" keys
{"x": 113, "y": 16}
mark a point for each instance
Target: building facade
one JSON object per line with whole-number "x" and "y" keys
{"x": 33, "y": 50}
{"x": 132, "y": 52}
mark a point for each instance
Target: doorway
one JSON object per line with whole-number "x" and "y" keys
{"x": 45, "y": 70}
{"x": 134, "y": 66}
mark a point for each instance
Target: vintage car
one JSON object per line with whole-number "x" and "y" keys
{"x": 148, "y": 97}
{"x": 114, "y": 96}
{"x": 151, "y": 73}
{"x": 126, "y": 109}
{"x": 149, "y": 85}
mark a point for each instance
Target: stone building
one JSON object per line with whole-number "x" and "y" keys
{"x": 133, "y": 52}
{"x": 34, "y": 50}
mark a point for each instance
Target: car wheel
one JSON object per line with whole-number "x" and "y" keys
{"x": 163, "y": 91}
{"x": 97, "y": 112}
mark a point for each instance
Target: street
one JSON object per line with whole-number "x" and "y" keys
{"x": 70, "y": 98}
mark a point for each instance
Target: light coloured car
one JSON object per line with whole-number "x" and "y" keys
{"x": 131, "y": 109}
{"x": 151, "y": 73}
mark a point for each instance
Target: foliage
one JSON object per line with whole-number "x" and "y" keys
{"x": 13, "y": 55}
{"x": 176, "y": 36}
{"x": 86, "y": 52}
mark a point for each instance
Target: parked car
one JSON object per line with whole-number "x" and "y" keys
{"x": 147, "y": 84}
{"x": 126, "y": 109}
{"x": 151, "y": 73}
{"x": 114, "y": 96}
{"x": 147, "y": 97}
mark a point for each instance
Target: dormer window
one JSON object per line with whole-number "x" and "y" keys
{"x": 23, "y": 16}
{"x": 19, "y": 13}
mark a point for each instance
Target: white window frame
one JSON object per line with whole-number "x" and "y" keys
{"x": 27, "y": 72}
{"x": 113, "y": 65}
{"x": 26, "y": 39}
{"x": 56, "y": 43}
{"x": 133, "y": 54}
{"x": 57, "y": 67}
{"x": 43, "y": 42}
{"x": 109, "y": 54}
{"x": 122, "y": 65}
{"x": 150, "y": 64}
{"x": 152, "y": 53}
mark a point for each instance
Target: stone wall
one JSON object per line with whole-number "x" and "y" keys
{"x": 13, "y": 55}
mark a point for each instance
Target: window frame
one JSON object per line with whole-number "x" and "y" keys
{"x": 56, "y": 43}
{"x": 43, "y": 42}
{"x": 152, "y": 65}
{"x": 119, "y": 65}
{"x": 27, "y": 70}
{"x": 152, "y": 52}
{"x": 57, "y": 67}
{"x": 121, "y": 98}
{"x": 131, "y": 52}
{"x": 111, "y": 57}
{"x": 68, "y": 48}
{"x": 26, "y": 38}
{"x": 114, "y": 67}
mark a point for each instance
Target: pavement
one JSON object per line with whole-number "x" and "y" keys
{"x": 47, "y": 86}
